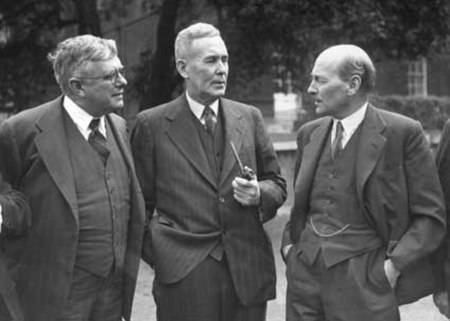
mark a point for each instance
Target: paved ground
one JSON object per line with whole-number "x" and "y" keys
{"x": 144, "y": 308}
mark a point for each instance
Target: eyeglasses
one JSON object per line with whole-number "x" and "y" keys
{"x": 112, "y": 76}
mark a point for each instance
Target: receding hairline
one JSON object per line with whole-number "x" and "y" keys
{"x": 350, "y": 60}
{"x": 341, "y": 53}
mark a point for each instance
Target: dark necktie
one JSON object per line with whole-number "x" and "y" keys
{"x": 336, "y": 147}
{"x": 98, "y": 141}
{"x": 210, "y": 119}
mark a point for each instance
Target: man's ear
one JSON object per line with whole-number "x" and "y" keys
{"x": 354, "y": 85}
{"x": 76, "y": 87}
{"x": 182, "y": 68}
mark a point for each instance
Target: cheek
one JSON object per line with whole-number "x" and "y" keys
{"x": 333, "y": 93}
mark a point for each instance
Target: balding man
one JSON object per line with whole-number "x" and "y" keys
{"x": 368, "y": 206}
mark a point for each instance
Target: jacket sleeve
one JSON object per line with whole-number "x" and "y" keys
{"x": 142, "y": 144}
{"x": 425, "y": 202}
{"x": 441, "y": 257}
{"x": 286, "y": 237}
{"x": 272, "y": 185}
{"x": 15, "y": 210}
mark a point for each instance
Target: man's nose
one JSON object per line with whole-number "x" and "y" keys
{"x": 312, "y": 89}
{"x": 222, "y": 67}
{"x": 121, "y": 79}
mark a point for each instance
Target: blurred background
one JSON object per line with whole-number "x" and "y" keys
{"x": 272, "y": 46}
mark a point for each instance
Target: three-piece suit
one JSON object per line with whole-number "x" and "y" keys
{"x": 46, "y": 158}
{"x": 382, "y": 201}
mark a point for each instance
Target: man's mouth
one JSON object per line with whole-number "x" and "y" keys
{"x": 219, "y": 82}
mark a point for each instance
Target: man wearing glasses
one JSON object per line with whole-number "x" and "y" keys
{"x": 70, "y": 157}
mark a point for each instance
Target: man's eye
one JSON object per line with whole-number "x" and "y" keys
{"x": 110, "y": 76}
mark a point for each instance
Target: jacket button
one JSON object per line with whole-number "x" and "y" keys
{"x": 221, "y": 200}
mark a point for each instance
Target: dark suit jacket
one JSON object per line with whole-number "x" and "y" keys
{"x": 16, "y": 218}
{"x": 397, "y": 186}
{"x": 36, "y": 162}
{"x": 443, "y": 255}
{"x": 178, "y": 183}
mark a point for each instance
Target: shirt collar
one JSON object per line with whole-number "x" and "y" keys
{"x": 351, "y": 122}
{"x": 197, "y": 108}
{"x": 81, "y": 118}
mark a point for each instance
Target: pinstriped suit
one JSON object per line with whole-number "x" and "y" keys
{"x": 194, "y": 209}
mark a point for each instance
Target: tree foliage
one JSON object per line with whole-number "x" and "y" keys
{"x": 30, "y": 29}
{"x": 274, "y": 37}
{"x": 282, "y": 37}
{"x": 290, "y": 33}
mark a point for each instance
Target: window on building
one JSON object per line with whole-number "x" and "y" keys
{"x": 417, "y": 77}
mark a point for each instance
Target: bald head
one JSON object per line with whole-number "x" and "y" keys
{"x": 351, "y": 60}
{"x": 341, "y": 80}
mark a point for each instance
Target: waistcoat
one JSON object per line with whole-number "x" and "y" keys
{"x": 214, "y": 148}
{"x": 103, "y": 194}
{"x": 336, "y": 224}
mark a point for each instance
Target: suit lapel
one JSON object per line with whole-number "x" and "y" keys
{"x": 181, "y": 130}
{"x": 122, "y": 141}
{"x": 52, "y": 146}
{"x": 311, "y": 154}
{"x": 119, "y": 132}
{"x": 234, "y": 127}
{"x": 371, "y": 145}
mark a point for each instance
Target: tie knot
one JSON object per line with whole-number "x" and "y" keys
{"x": 93, "y": 125}
{"x": 207, "y": 112}
{"x": 339, "y": 129}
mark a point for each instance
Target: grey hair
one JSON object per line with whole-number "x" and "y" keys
{"x": 72, "y": 54}
{"x": 355, "y": 62}
{"x": 186, "y": 36}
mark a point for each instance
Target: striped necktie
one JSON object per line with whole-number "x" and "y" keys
{"x": 336, "y": 147}
{"x": 210, "y": 119}
{"x": 98, "y": 141}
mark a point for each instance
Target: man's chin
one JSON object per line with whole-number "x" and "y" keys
{"x": 117, "y": 107}
{"x": 219, "y": 93}
{"x": 321, "y": 110}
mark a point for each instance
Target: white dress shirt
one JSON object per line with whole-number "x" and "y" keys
{"x": 81, "y": 118}
{"x": 198, "y": 108}
{"x": 350, "y": 124}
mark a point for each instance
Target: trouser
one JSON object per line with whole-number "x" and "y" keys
{"x": 10, "y": 309}
{"x": 353, "y": 290}
{"x": 206, "y": 294}
{"x": 93, "y": 298}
